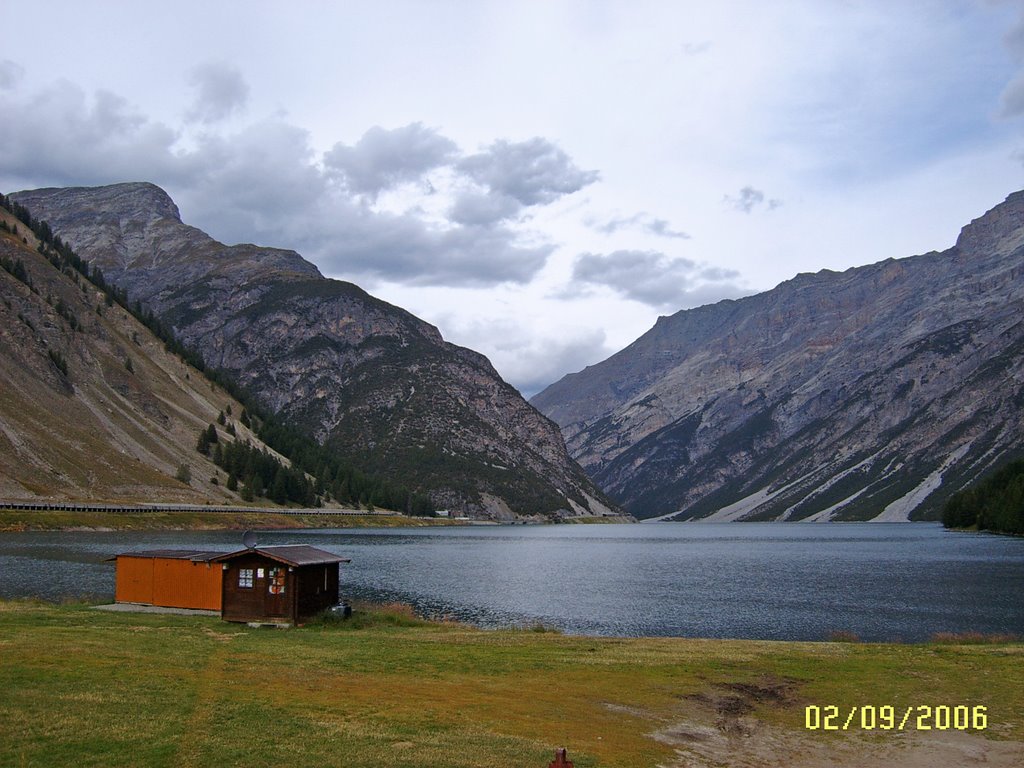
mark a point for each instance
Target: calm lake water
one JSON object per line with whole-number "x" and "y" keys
{"x": 739, "y": 580}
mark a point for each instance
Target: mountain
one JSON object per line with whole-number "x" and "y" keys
{"x": 374, "y": 383}
{"x": 874, "y": 393}
{"x": 94, "y": 408}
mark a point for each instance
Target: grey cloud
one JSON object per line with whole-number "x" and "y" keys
{"x": 262, "y": 184}
{"x": 10, "y": 74}
{"x": 251, "y": 185}
{"x": 718, "y": 274}
{"x": 640, "y": 222}
{"x": 382, "y": 158}
{"x": 749, "y": 199}
{"x": 653, "y": 278}
{"x": 221, "y": 92}
{"x": 481, "y": 209}
{"x": 1014, "y": 39}
{"x": 533, "y": 172}
{"x": 661, "y": 228}
{"x": 59, "y": 136}
{"x": 404, "y": 249}
{"x": 1012, "y": 98}
{"x": 612, "y": 226}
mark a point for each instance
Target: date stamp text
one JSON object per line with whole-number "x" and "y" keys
{"x": 868, "y": 717}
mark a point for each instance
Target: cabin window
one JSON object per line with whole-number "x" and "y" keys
{"x": 245, "y": 578}
{"x": 276, "y": 585}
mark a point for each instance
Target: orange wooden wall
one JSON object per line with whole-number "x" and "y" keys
{"x": 168, "y": 582}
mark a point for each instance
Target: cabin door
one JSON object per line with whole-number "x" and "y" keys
{"x": 277, "y": 597}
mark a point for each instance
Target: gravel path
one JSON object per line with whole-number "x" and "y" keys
{"x": 137, "y": 608}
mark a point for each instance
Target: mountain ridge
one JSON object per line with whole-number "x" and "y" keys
{"x": 833, "y": 395}
{"x": 370, "y": 380}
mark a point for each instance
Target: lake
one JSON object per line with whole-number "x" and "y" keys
{"x": 729, "y": 580}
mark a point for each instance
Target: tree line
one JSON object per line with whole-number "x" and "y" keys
{"x": 994, "y": 504}
{"x": 255, "y": 472}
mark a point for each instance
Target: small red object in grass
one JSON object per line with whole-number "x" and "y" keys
{"x": 561, "y": 760}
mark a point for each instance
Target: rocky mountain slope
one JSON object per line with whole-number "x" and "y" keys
{"x": 868, "y": 394}
{"x": 93, "y": 408}
{"x": 370, "y": 380}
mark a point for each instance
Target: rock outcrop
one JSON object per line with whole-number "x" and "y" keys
{"x": 369, "y": 379}
{"x": 868, "y": 394}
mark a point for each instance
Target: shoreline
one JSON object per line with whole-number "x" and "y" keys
{"x": 938, "y": 640}
{"x": 18, "y": 521}
{"x": 73, "y": 516}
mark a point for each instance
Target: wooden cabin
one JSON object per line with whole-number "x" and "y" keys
{"x": 281, "y": 584}
{"x": 275, "y": 584}
{"x": 172, "y": 578}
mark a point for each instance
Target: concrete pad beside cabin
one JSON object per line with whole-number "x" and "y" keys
{"x": 138, "y": 608}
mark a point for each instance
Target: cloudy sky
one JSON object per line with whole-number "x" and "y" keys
{"x": 541, "y": 180}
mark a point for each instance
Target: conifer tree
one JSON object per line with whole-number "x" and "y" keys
{"x": 203, "y": 443}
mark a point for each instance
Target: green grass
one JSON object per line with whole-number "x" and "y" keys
{"x": 90, "y": 688}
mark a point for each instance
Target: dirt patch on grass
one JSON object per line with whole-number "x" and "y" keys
{"x": 720, "y": 729}
{"x": 765, "y": 746}
{"x": 221, "y": 637}
{"x": 732, "y": 704}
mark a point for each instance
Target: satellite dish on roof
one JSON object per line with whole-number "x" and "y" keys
{"x": 249, "y": 540}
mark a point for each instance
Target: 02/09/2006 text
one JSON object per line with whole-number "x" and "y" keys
{"x": 923, "y": 717}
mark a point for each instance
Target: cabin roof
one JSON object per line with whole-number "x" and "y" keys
{"x": 290, "y": 554}
{"x": 197, "y": 555}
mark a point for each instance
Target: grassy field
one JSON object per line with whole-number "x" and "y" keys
{"x": 91, "y": 688}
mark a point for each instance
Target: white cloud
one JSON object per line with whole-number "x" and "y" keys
{"x": 749, "y": 198}
{"x": 527, "y": 359}
{"x": 655, "y": 279}
{"x": 639, "y": 222}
